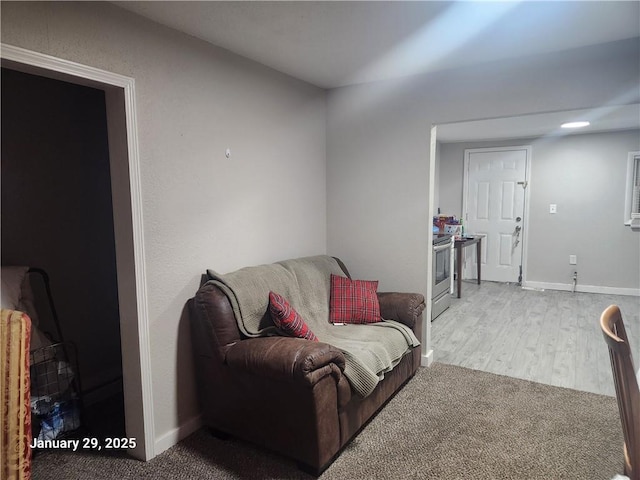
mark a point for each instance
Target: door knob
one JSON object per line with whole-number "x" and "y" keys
{"x": 518, "y": 219}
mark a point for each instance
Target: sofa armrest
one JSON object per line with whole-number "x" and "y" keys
{"x": 286, "y": 359}
{"x": 401, "y": 307}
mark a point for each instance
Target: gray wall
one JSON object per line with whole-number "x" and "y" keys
{"x": 378, "y": 145}
{"x": 200, "y": 210}
{"x": 56, "y": 210}
{"x": 585, "y": 175}
{"x": 378, "y": 138}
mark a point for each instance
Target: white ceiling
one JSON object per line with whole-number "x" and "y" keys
{"x": 337, "y": 43}
{"x": 619, "y": 117}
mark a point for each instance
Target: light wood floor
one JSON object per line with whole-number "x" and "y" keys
{"x": 549, "y": 336}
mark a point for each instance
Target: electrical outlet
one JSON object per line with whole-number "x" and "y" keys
{"x": 573, "y": 259}
{"x": 553, "y": 208}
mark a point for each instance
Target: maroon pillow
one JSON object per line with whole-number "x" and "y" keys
{"x": 353, "y": 301}
{"x": 287, "y": 319}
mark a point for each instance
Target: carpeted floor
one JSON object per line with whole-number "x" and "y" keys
{"x": 447, "y": 423}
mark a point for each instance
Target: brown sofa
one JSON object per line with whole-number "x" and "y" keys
{"x": 288, "y": 394}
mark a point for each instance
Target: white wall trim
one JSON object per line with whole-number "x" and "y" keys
{"x": 635, "y": 292}
{"x": 427, "y": 359}
{"x": 181, "y": 432}
{"x": 426, "y": 332}
{"x": 629, "y": 186}
{"x": 87, "y": 75}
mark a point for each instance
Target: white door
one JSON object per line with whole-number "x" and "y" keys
{"x": 494, "y": 207}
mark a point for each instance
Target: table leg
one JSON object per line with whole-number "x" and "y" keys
{"x": 478, "y": 256}
{"x": 459, "y": 268}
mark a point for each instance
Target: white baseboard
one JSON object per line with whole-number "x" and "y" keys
{"x": 172, "y": 437}
{"x": 427, "y": 359}
{"x": 634, "y": 292}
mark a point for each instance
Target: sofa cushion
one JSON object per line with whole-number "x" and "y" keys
{"x": 370, "y": 350}
{"x": 287, "y": 320}
{"x": 353, "y": 301}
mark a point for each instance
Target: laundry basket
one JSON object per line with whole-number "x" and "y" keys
{"x": 56, "y": 406}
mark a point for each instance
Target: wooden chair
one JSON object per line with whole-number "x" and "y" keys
{"x": 627, "y": 392}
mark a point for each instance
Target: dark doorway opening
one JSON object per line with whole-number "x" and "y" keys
{"x": 57, "y": 215}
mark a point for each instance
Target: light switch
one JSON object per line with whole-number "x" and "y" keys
{"x": 553, "y": 208}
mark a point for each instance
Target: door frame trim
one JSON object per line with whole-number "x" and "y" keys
{"x": 527, "y": 193}
{"x": 138, "y": 387}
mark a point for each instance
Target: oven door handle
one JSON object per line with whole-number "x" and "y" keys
{"x": 440, "y": 248}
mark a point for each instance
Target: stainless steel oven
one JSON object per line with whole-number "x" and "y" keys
{"x": 441, "y": 277}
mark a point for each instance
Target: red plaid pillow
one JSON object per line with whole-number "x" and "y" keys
{"x": 353, "y": 301}
{"x": 287, "y": 319}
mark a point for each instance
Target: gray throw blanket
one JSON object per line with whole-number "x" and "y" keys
{"x": 369, "y": 350}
